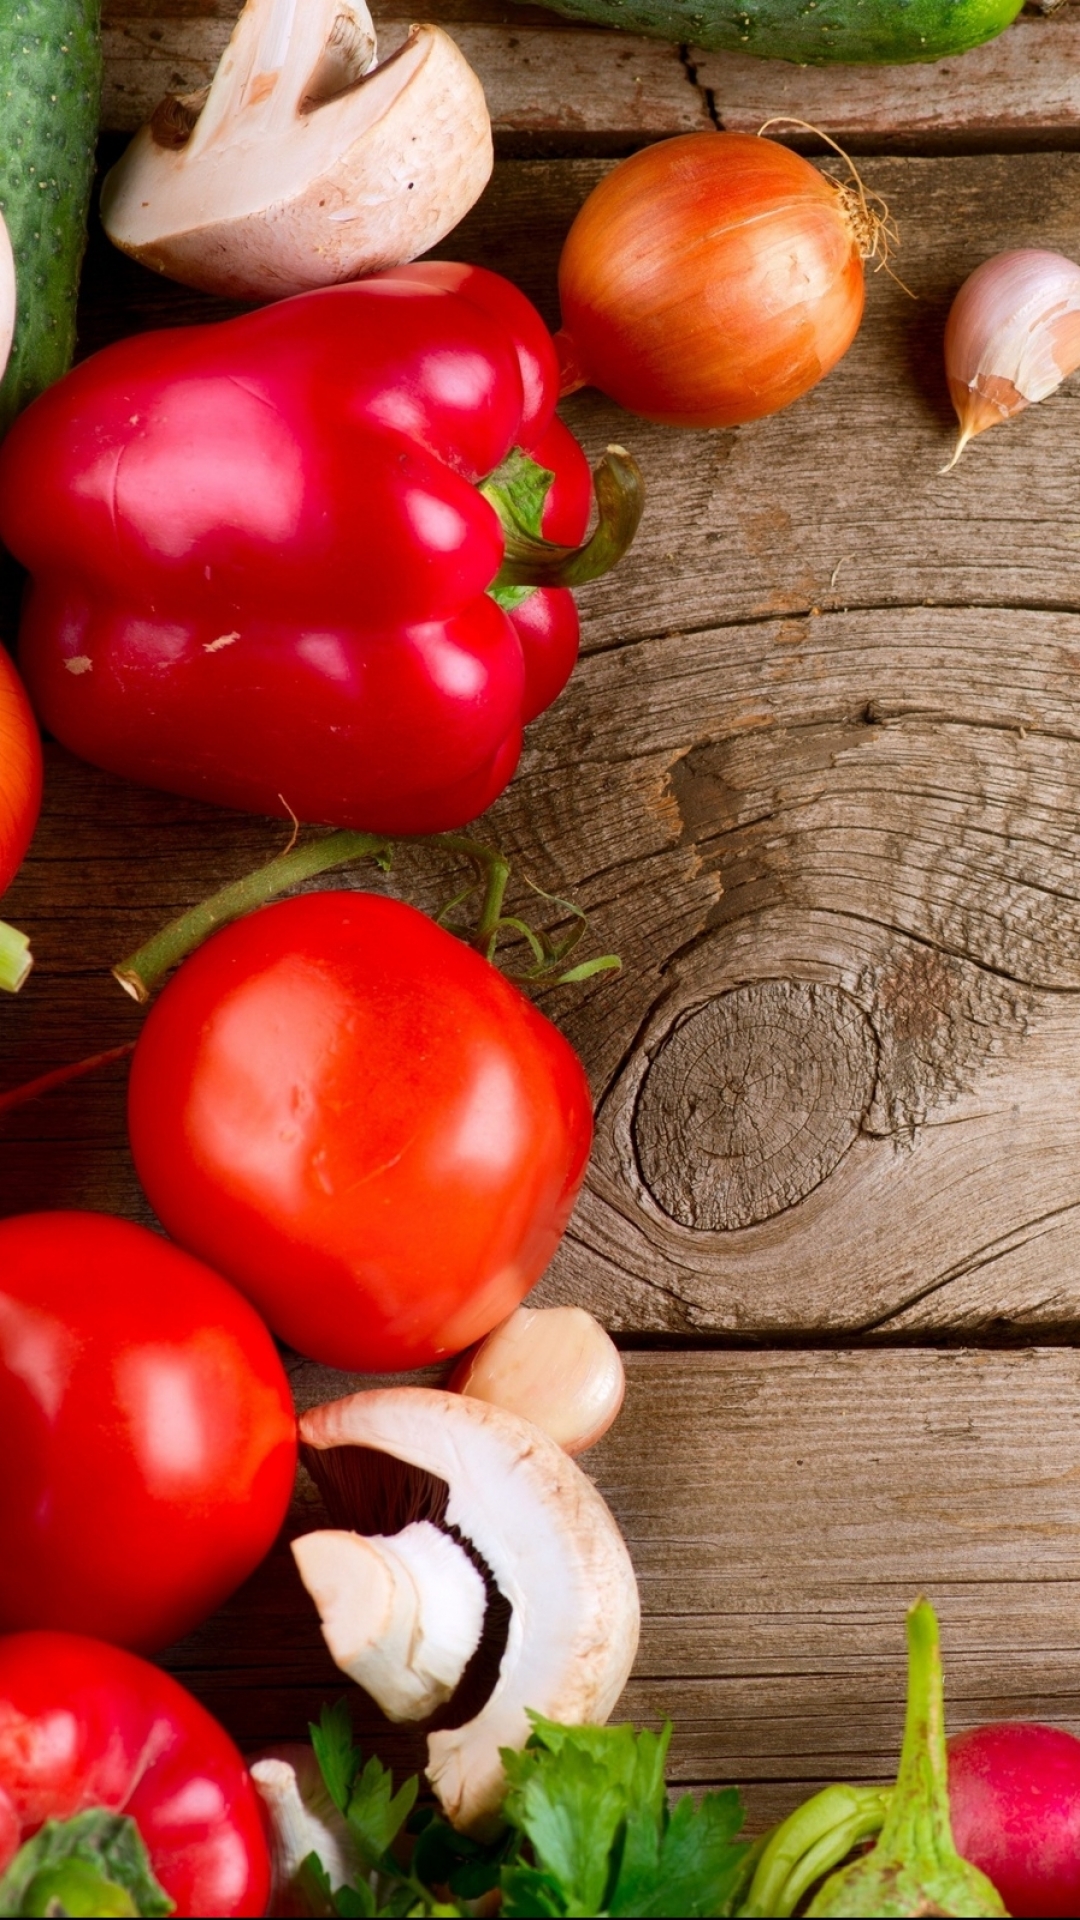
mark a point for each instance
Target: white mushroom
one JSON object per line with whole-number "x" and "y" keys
{"x": 554, "y": 1553}
{"x": 304, "y": 163}
{"x": 7, "y": 294}
{"x": 555, "y": 1365}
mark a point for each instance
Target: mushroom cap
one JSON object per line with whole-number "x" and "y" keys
{"x": 554, "y": 1550}
{"x": 269, "y": 195}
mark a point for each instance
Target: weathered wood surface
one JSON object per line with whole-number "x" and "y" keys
{"x": 817, "y": 778}
{"x": 550, "y": 86}
{"x": 782, "y": 1510}
{"x": 557, "y": 87}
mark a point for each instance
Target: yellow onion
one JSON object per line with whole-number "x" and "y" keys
{"x": 711, "y": 279}
{"x": 1012, "y": 336}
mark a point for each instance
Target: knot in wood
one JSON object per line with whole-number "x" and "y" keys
{"x": 751, "y": 1101}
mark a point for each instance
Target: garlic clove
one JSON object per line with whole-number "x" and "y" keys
{"x": 555, "y": 1366}
{"x": 302, "y": 1819}
{"x": 401, "y": 1615}
{"x": 1012, "y": 336}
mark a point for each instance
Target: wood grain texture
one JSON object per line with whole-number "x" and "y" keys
{"x": 549, "y": 89}
{"x": 1017, "y": 92}
{"x": 557, "y": 87}
{"x": 793, "y": 1505}
{"x": 816, "y": 778}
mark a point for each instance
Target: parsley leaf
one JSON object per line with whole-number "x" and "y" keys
{"x": 375, "y": 1813}
{"x": 338, "y": 1757}
{"x": 593, "y": 1805}
{"x": 589, "y": 1832}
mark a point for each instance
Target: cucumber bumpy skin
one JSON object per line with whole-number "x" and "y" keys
{"x": 809, "y": 32}
{"x": 50, "y": 96}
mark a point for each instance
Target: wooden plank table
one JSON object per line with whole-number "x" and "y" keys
{"x": 817, "y": 778}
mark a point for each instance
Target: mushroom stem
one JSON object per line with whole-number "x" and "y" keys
{"x": 402, "y": 1616}
{"x": 283, "y": 55}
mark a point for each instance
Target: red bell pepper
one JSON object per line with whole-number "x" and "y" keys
{"x": 263, "y": 551}
{"x": 89, "y": 1733}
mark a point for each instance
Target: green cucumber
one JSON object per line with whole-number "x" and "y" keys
{"x": 811, "y": 32}
{"x": 50, "y": 96}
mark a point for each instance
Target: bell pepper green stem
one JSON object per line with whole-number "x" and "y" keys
{"x": 809, "y": 1843}
{"x": 620, "y": 500}
{"x": 140, "y": 972}
{"x": 16, "y": 959}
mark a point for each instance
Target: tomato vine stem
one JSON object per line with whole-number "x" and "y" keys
{"x": 141, "y": 972}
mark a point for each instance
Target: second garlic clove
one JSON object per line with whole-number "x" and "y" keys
{"x": 555, "y": 1366}
{"x": 1012, "y": 336}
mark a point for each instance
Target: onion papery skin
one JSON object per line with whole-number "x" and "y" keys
{"x": 709, "y": 280}
{"x": 20, "y": 771}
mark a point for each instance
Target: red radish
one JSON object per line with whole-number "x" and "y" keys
{"x": 1014, "y": 1796}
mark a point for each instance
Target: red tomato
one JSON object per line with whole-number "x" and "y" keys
{"x": 362, "y": 1123}
{"x": 151, "y": 1420}
{"x": 85, "y": 1725}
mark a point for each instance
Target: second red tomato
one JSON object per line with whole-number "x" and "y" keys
{"x": 148, "y": 1429}
{"x": 362, "y": 1123}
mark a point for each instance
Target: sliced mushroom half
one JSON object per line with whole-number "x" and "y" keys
{"x": 305, "y": 162}
{"x": 515, "y": 1502}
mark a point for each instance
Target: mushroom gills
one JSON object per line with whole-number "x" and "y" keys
{"x": 521, "y": 1505}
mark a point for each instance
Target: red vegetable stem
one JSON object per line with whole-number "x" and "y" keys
{"x": 45, "y": 1082}
{"x": 572, "y": 375}
{"x": 141, "y": 971}
{"x": 620, "y": 502}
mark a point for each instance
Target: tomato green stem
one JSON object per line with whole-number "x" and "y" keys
{"x": 140, "y": 972}
{"x": 532, "y": 562}
{"x": 16, "y": 959}
{"x": 494, "y": 870}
